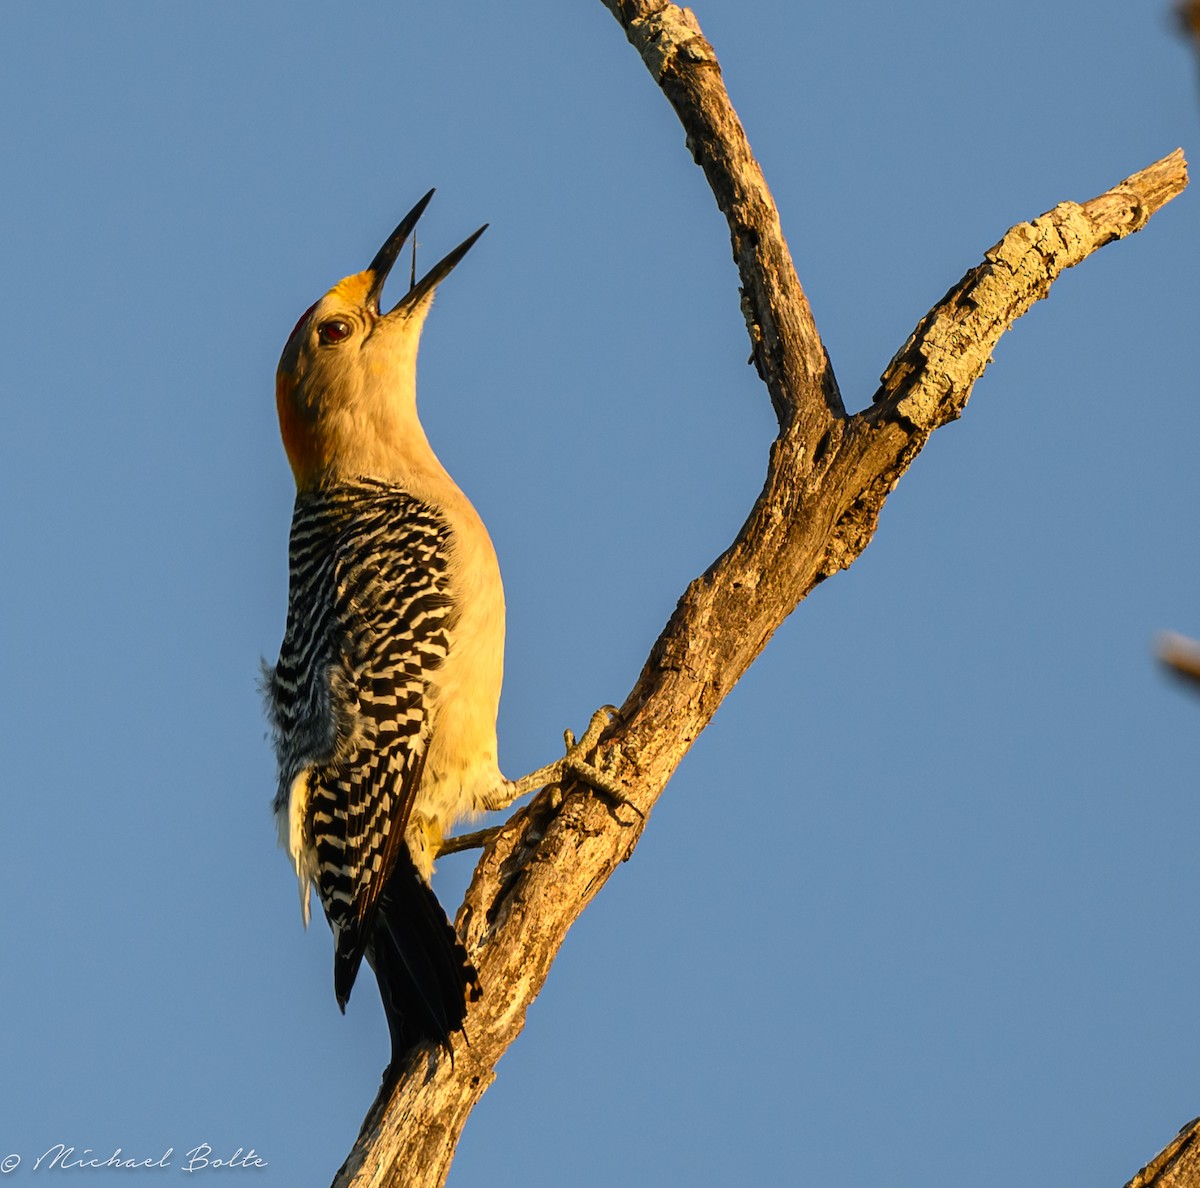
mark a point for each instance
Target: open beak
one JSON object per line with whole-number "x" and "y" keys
{"x": 387, "y": 255}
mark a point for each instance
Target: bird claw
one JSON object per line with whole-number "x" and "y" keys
{"x": 574, "y": 762}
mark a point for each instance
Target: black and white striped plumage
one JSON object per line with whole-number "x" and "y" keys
{"x": 370, "y": 622}
{"x": 385, "y": 696}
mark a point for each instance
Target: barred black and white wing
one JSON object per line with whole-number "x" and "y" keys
{"x": 369, "y": 620}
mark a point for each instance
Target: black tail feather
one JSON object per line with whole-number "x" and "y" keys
{"x": 424, "y": 974}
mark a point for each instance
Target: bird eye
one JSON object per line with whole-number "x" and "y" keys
{"x": 333, "y": 331}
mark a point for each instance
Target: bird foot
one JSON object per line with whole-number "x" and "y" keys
{"x": 575, "y": 763}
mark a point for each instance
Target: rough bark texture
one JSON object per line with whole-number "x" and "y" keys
{"x": 1177, "y": 1165}
{"x": 827, "y": 479}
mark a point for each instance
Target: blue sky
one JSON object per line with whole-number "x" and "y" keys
{"x": 922, "y": 895}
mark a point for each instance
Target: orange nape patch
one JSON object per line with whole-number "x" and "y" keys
{"x": 299, "y": 440}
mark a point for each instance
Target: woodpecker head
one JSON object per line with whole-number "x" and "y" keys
{"x": 346, "y": 384}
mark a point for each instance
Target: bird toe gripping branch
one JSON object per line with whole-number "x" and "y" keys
{"x": 576, "y": 762}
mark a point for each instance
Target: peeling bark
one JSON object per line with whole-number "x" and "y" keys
{"x": 827, "y": 479}
{"x": 1177, "y": 1165}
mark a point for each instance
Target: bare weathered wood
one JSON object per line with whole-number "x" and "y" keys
{"x": 1177, "y": 1165}
{"x": 828, "y": 476}
{"x": 785, "y": 345}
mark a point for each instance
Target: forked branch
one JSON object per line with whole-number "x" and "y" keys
{"x": 827, "y": 478}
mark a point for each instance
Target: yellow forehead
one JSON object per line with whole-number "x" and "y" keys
{"x": 354, "y": 289}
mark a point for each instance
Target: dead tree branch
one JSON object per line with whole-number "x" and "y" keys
{"x": 1177, "y": 1165}
{"x": 828, "y": 476}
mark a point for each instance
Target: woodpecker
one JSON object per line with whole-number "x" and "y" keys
{"x": 384, "y": 697}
